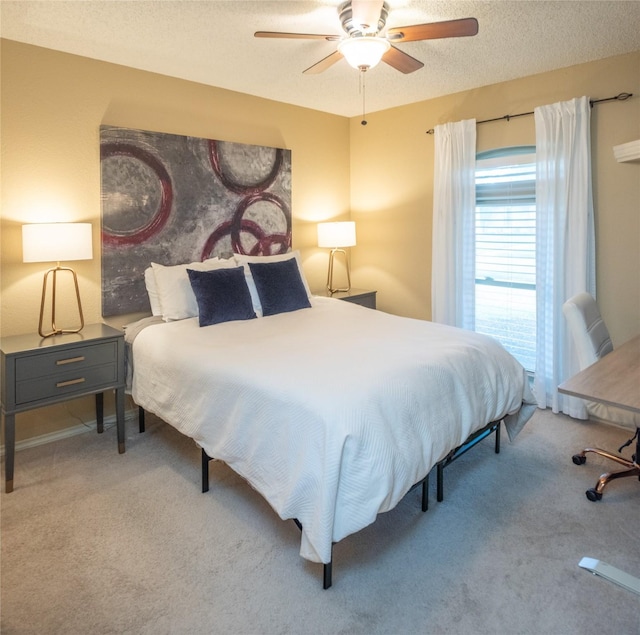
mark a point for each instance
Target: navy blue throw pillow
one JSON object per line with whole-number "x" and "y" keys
{"x": 222, "y": 295}
{"x": 279, "y": 285}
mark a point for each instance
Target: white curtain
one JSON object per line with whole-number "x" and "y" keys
{"x": 565, "y": 248}
{"x": 454, "y": 199}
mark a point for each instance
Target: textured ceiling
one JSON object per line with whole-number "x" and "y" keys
{"x": 212, "y": 42}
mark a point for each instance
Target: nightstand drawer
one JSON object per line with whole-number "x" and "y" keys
{"x": 60, "y": 363}
{"x": 77, "y": 380}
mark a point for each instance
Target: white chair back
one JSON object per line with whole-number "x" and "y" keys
{"x": 590, "y": 333}
{"x": 592, "y": 341}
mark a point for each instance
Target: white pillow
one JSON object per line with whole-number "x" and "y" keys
{"x": 244, "y": 260}
{"x": 174, "y": 289}
{"x": 152, "y": 291}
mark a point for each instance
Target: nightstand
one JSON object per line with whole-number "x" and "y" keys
{"x": 363, "y": 297}
{"x": 39, "y": 371}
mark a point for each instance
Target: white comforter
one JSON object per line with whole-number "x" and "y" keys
{"x": 332, "y": 413}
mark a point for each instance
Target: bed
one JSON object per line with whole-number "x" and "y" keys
{"x": 330, "y": 410}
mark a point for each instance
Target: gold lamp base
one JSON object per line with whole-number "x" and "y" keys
{"x": 330, "y": 286}
{"x": 54, "y": 329}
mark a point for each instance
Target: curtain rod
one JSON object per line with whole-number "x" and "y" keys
{"x": 620, "y": 97}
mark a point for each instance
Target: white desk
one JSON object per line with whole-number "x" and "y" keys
{"x": 613, "y": 380}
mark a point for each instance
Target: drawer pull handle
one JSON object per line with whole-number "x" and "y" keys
{"x": 70, "y": 360}
{"x": 71, "y": 382}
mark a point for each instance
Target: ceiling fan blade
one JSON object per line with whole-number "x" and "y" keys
{"x": 433, "y": 30}
{"x": 324, "y": 63}
{"x": 365, "y": 14}
{"x": 297, "y": 36}
{"x": 401, "y": 61}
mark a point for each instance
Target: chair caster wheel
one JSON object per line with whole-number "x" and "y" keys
{"x": 579, "y": 459}
{"x": 592, "y": 495}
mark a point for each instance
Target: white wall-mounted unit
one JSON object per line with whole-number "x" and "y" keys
{"x": 627, "y": 151}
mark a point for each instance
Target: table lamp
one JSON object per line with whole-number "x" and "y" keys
{"x": 335, "y": 236}
{"x": 54, "y": 242}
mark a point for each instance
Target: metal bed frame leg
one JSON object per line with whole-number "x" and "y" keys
{"x": 205, "y": 471}
{"x": 425, "y": 493}
{"x": 141, "y": 419}
{"x": 326, "y": 574}
{"x": 326, "y": 568}
{"x": 440, "y": 481}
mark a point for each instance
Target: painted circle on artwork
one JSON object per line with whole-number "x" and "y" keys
{"x": 139, "y": 203}
{"x": 245, "y": 169}
{"x": 261, "y": 225}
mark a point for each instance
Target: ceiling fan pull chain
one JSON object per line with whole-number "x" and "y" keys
{"x": 362, "y": 90}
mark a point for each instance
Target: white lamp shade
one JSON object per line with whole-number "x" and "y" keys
{"x": 53, "y": 242}
{"x": 363, "y": 52}
{"x": 338, "y": 234}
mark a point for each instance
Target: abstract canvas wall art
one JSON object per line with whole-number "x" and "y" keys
{"x": 175, "y": 199}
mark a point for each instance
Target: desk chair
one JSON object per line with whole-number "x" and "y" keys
{"x": 592, "y": 341}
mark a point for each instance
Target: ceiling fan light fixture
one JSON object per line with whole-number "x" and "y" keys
{"x": 363, "y": 52}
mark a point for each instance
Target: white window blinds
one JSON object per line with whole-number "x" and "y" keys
{"x": 506, "y": 249}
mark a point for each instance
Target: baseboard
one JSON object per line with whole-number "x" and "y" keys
{"x": 66, "y": 433}
{"x": 615, "y": 424}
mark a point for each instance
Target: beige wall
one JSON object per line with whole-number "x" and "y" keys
{"x": 392, "y": 183}
{"x": 52, "y": 105}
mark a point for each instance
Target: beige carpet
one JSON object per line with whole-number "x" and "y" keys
{"x": 96, "y": 542}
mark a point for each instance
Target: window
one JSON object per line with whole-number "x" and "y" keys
{"x": 505, "y": 289}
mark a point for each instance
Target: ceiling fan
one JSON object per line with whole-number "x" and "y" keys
{"x": 363, "y": 46}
